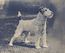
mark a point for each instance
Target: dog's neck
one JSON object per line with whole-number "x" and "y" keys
{"x": 40, "y": 16}
{"x": 40, "y": 19}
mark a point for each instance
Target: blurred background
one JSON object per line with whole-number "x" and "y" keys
{"x": 56, "y": 25}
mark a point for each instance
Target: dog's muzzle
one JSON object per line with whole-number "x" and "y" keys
{"x": 50, "y": 16}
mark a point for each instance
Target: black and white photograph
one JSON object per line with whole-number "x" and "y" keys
{"x": 32, "y": 26}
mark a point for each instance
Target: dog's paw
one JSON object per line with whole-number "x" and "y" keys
{"x": 45, "y": 46}
{"x": 10, "y": 44}
{"x": 37, "y": 47}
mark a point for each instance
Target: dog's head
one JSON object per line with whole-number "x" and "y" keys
{"x": 46, "y": 12}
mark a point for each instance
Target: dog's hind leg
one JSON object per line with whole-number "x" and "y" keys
{"x": 26, "y": 38}
{"x": 16, "y": 36}
{"x": 17, "y": 33}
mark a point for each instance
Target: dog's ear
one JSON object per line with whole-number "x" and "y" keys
{"x": 41, "y": 9}
{"x": 19, "y": 14}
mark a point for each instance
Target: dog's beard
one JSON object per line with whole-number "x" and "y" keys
{"x": 51, "y": 16}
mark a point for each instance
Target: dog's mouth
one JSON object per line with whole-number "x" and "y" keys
{"x": 50, "y": 16}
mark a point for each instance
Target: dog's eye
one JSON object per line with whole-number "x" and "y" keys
{"x": 45, "y": 10}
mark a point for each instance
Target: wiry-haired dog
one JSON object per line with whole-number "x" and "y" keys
{"x": 38, "y": 25}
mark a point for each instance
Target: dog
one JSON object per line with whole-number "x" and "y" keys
{"x": 38, "y": 25}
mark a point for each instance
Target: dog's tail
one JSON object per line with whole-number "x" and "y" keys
{"x": 19, "y": 14}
